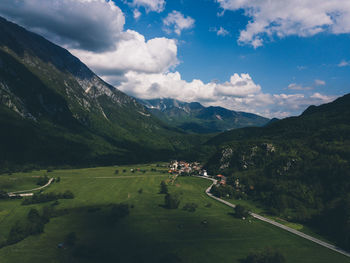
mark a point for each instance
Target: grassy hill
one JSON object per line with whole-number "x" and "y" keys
{"x": 150, "y": 233}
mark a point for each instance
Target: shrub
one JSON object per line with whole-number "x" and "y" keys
{"x": 190, "y": 207}
{"x": 267, "y": 256}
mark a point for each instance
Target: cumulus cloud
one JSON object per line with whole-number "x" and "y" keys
{"x": 93, "y": 30}
{"x": 283, "y": 18}
{"x": 240, "y": 93}
{"x": 176, "y": 21}
{"x": 94, "y": 25}
{"x": 133, "y": 53}
{"x": 150, "y": 5}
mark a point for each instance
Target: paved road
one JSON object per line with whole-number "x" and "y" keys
{"x": 267, "y": 220}
{"x": 26, "y": 192}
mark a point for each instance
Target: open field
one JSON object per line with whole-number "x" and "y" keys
{"x": 150, "y": 233}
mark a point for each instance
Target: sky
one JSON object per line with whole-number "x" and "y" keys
{"x": 269, "y": 57}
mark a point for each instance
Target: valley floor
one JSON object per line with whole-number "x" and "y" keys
{"x": 150, "y": 233}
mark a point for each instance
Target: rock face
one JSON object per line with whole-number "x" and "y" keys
{"x": 56, "y": 110}
{"x": 194, "y": 117}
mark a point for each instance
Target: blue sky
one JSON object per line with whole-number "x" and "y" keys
{"x": 273, "y": 58}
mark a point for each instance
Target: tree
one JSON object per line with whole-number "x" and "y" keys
{"x": 163, "y": 188}
{"x": 42, "y": 180}
{"x": 3, "y": 195}
{"x": 172, "y": 201}
{"x": 241, "y": 211}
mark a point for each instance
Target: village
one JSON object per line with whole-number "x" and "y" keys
{"x": 192, "y": 168}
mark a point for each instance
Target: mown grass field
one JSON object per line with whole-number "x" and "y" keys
{"x": 150, "y": 233}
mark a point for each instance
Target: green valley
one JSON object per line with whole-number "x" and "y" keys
{"x": 149, "y": 233}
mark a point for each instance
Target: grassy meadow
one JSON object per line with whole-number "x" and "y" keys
{"x": 150, "y": 233}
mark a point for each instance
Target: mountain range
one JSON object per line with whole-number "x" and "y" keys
{"x": 55, "y": 110}
{"x": 194, "y": 117}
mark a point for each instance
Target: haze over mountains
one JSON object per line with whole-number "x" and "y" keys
{"x": 194, "y": 117}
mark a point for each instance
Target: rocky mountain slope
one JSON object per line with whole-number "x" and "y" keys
{"x": 55, "y": 110}
{"x": 194, "y": 117}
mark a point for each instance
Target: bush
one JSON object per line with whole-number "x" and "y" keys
{"x": 58, "y": 179}
{"x": 190, "y": 207}
{"x": 44, "y": 198}
{"x": 172, "y": 201}
{"x": 140, "y": 191}
{"x": 267, "y": 256}
{"x": 116, "y": 171}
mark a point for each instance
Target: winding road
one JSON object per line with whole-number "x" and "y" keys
{"x": 267, "y": 220}
{"x": 26, "y": 192}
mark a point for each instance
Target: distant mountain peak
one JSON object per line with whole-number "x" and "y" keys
{"x": 194, "y": 117}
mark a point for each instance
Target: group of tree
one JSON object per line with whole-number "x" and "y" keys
{"x": 43, "y": 198}
{"x": 226, "y": 191}
{"x": 42, "y": 180}
{"x": 33, "y": 225}
{"x": 241, "y": 211}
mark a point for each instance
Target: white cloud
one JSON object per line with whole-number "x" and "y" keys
{"x": 137, "y": 14}
{"x": 295, "y": 86}
{"x": 150, "y": 5}
{"x": 133, "y": 53}
{"x": 143, "y": 67}
{"x": 344, "y": 63}
{"x": 219, "y": 31}
{"x": 222, "y": 32}
{"x": 94, "y": 25}
{"x": 176, "y": 21}
{"x": 283, "y": 18}
{"x": 241, "y": 93}
{"x": 319, "y": 82}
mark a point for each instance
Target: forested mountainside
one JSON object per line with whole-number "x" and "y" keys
{"x": 298, "y": 167}
{"x": 54, "y": 110}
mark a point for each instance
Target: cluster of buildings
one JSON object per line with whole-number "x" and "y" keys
{"x": 183, "y": 167}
